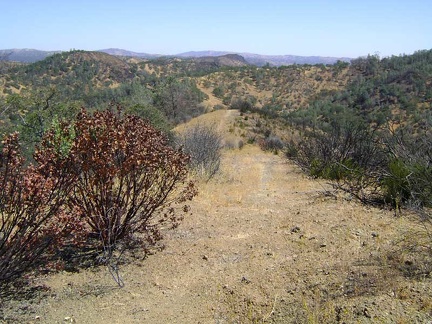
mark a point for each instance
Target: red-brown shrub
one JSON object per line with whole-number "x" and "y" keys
{"x": 127, "y": 177}
{"x": 31, "y": 199}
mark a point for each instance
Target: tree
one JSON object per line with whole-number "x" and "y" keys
{"x": 32, "y": 114}
{"x": 152, "y": 115}
{"x": 178, "y": 99}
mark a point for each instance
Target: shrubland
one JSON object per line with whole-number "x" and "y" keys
{"x": 102, "y": 181}
{"x": 370, "y": 138}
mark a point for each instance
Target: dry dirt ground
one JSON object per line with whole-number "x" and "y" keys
{"x": 264, "y": 244}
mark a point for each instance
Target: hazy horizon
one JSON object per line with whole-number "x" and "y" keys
{"x": 310, "y": 28}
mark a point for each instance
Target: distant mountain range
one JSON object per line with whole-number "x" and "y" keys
{"x": 254, "y": 59}
{"x": 32, "y": 55}
{"x": 24, "y": 55}
{"x": 122, "y": 52}
{"x": 274, "y": 60}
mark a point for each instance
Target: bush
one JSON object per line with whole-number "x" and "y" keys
{"x": 291, "y": 150}
{"x": 234, "y": 144}
{"x": 408, "y": 178}
{"x": 348, "y": 153}
{"x": 272, "y": 143}
{"x": 203, "y": 144}
{"x": 242, "y": 105}
{"x": 218, "y": 92}
{"x": 374, "y": 166}
{"x": 31, "y": 215}
{"x": 153, "y": 115}
{"x": 396, "y": 185}
{"x": 127, "y": 180}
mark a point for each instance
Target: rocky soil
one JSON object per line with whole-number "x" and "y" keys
{"x": 264, "y": 244}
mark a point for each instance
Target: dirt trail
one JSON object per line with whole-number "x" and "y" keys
{"x": 263, "y": 243}
{"x": 235, "y": 236}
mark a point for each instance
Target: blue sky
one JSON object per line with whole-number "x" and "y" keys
{"x": 324, "y": 28}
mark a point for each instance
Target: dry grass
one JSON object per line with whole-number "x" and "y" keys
{"x": 265, "y": 244}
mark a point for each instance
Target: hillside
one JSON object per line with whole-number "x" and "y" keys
{"x": 68, "y": 67}
{"x": 275, "y": 89}
{"x": 164, "y": 66}
{"x": 395, "y": 84}
{"x": 391, "y": 90}
{"x": 95, "y": 77}
{"x": 31, "y": 55}
{"x": 266, "y": 241}
{"x": 83, "y": 70}
{"x": 395, "y": 91}
{"x": 264, "y": 244}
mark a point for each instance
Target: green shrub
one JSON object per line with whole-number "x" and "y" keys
{"x": 337, "y": 171}
{"x": 218, "y": 92}
{"x": 242, "y": 105}
{"x": 291, "y": 151}
{"x": 396, "y": 185}
{"x": 421, "y": 181}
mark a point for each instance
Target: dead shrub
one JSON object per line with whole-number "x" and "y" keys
{"x": 127, "y": 181}
{"x": 203, "y": 144}
{"x": 31, "y": 215}
{"x": 271, "y": 143}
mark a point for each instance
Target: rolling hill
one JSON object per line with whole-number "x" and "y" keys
{"x": 265, "y": 242}
{"x": 32, "y": 55}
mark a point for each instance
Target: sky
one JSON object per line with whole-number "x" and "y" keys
{"x": 273, "y": 27}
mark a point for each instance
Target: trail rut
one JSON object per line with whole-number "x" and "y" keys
{"x": 263, "y": 243}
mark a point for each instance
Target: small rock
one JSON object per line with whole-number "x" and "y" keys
{"x": 205, "y": 257}
{"x": 322, "y": 245}
{"x": 245, "y": 280}
{"x": 374, "y": 234}
{"x": 295, "y": 229}
{"x": 366, "y": 313}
